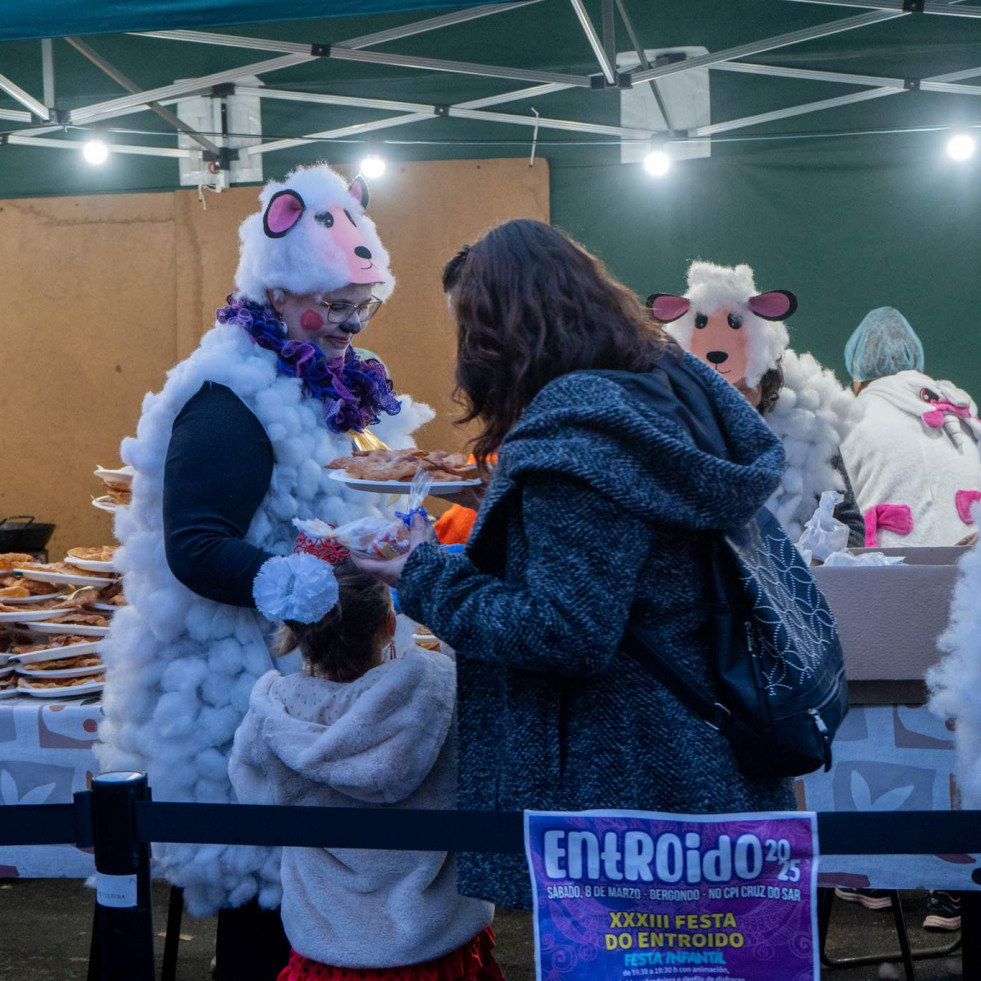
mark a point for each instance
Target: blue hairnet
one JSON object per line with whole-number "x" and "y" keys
{"x": 882, "y": 344}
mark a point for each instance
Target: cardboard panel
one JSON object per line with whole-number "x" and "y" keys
{"x": 105, "y": 294}
{"x": 88, "y": 328}
{"x": 890, "y": 617}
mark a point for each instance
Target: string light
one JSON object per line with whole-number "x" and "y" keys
{"x": 95, "y": 152}
{"x": 372, "y": 166}
{"x": 657, "y": 163}
{"x": 961, "y": 146}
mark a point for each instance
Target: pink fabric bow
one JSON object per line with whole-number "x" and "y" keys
{"x": 935, "y": 417}
{"x": 965, "y": 499}
{"x": 897, "y": 518}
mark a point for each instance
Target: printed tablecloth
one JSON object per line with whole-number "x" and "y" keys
{"x": 890, "y": 758}
{"x": 46, "y": 756}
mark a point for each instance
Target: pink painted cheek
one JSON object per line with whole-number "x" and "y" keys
{"x": 311, "y": 320}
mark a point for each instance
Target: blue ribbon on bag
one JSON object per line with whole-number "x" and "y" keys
{"x": 407, "y": 517}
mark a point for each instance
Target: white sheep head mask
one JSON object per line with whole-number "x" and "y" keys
{"x": 311, "y": 236}
{"x": 724, "y": 321}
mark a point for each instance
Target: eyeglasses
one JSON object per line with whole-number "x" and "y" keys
{"x": 341, "y": 311}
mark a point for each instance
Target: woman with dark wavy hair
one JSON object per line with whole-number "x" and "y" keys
{"x": 618, "y": 457}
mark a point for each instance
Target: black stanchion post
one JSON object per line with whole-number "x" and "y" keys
{"x": 123, "y": 942}
{"x": 971, "y": 933}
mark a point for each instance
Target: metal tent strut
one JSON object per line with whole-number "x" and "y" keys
{"x": 38, "y": 117}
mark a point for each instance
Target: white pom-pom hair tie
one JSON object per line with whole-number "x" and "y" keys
{"x": 296, "y": 587}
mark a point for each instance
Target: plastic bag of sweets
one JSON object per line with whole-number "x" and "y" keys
{"x": 373, "y": 538}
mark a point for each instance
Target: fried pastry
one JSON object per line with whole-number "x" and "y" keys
{"x": 23, "y": 682}
{"x": 101, "y": 553}
{"x": 61, "y": 640}
{"x": 66, "y": 663}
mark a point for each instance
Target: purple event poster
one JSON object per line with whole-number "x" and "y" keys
{"x": 630, "y": 894}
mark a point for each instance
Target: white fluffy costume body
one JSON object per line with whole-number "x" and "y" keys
{"x": 955, "y": 682}
{"x": 913, "y": 459}
{"x": 724, "y": 320}
{"x": 181, "y": 667}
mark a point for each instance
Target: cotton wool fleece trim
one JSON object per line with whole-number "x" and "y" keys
{"x": 812, "y": 418}
{"x": 597, "y": 513}
{"x": 181, "y": 667}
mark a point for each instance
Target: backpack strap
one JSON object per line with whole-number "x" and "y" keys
{"x": 713, "y": 714}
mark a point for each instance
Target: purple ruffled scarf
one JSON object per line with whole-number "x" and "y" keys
{"x": 354, "y": 391}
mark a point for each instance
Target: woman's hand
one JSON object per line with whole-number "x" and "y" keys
{"x": 389, "y": 571}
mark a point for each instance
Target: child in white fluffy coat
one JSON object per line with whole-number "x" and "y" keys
{"x": 358, "y": 729}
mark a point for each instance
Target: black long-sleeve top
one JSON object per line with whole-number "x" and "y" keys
{"x": 218, "y": 469}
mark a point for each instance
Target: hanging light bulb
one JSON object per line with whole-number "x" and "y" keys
{"x": 657, "y": 163}
{"x": 960, "y": 146}
{"x": 372, "y": 166}
{"x": 95, "y": 152}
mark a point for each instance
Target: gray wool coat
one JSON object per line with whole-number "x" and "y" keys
{"x": 598, "y": 512}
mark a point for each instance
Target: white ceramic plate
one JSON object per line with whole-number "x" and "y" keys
{"x": 106, "y": 503}
{"x": 122, "y": 476}
{"x": 104, "y": 608}
{"x": 7, "y": 669}
{"x": 79, "y": 629}
{"x": 56, "y": 653}
{"x": 9, "y": 692}
{"x": 29, "y": 616}
{"x": 89, "y": 688}
{"x": 438, "y": 489}
{"x": 39, "y": 575}
{"x": 28, "y": 600}
{"x": 90, "y": 565}
{"x": 67, "y": 673}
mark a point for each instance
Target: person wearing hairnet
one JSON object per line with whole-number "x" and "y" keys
{"x": 912, "y": 452}
{"x": 914, "y": 462}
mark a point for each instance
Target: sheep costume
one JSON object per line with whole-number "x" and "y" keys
{"x": 725, "y": 321}
{"x": 182, "y": 665}
{"x": 955, "y": 682}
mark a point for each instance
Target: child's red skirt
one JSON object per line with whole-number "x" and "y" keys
{"x": 471, "y": 962}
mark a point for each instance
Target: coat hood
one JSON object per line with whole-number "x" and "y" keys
{"x": 677, "y": 445}
{"x": 375, "y": 739}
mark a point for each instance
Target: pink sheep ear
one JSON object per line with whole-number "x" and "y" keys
{"x": 775, "y": 305}
{"x": 284, "y": 210}
{"x": 667, "y": 307}
{"x": 358, "y": 189}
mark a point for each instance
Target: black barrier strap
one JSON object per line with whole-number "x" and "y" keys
{"x": 37, "y": 824}
{"x": 336, "y": 827}
{"x": 900, "y": 833}
{"x": 895, "y": 833}
{"x": 858, "y": 833}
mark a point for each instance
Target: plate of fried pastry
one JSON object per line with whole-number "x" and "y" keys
{"x": 61, "y": 687}
{"x": 391, "y": 471}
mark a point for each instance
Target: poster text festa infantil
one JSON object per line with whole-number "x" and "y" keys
{"x": 629, "y": 894}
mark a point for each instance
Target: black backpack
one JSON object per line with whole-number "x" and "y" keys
{"x": 781, "y": 682}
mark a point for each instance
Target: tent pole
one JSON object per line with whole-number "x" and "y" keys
{"x": 944, "y": 9}
{"x": 766, "y": 44}
{"x": 801, "y": 110}
{"x": 644, "y": 62}
{"x": 48, "y": 71}
{"x": 190, "y": 86}
{"x": 594, "y": 40}
{"x": 24, "y": 98}
{"x": 367, "y": 40}
{"x": 165, "y": 114}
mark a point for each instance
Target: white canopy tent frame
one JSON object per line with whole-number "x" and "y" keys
{"x": 289, "y": 54}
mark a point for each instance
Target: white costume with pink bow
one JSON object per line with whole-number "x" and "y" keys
{"x": 912, "y": 455}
